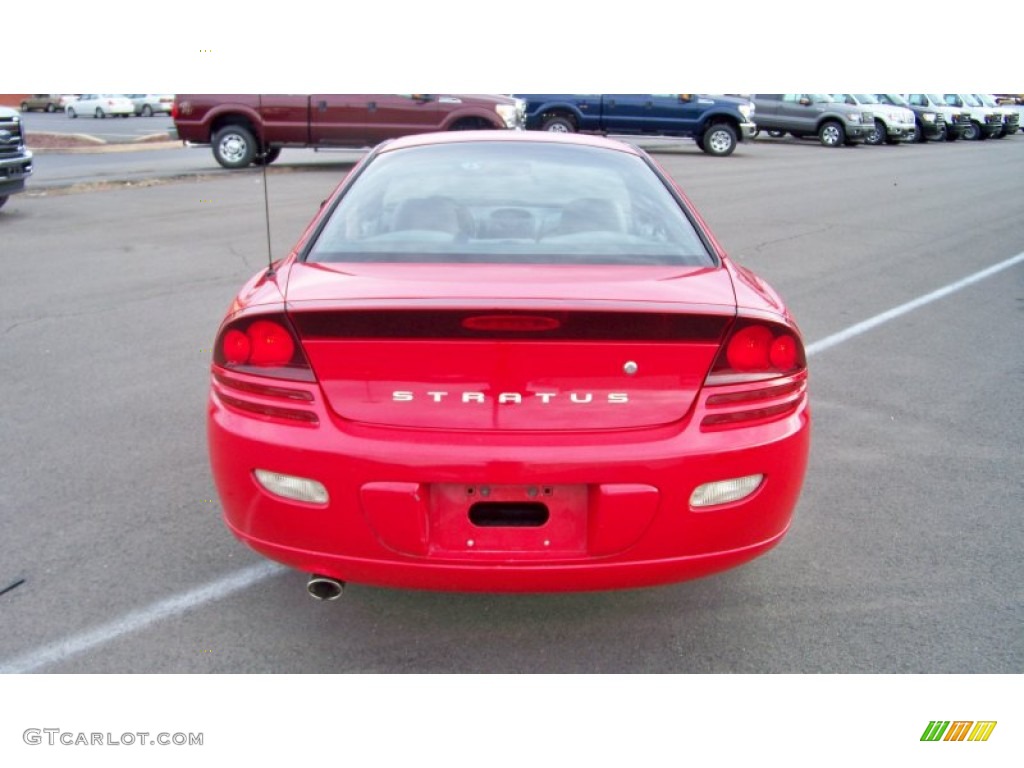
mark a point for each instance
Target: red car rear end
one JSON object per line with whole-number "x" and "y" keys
{"x": 494, "y": 398}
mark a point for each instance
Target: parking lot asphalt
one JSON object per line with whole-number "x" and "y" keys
{"x": 904, "y": 556}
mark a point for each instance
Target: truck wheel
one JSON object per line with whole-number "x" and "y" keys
{"x": 147, "y": 111}
{"x": 876, "y": 136}
{"x": 50, "y": 108}
{"x": 100, "y": 114}
{"x": 832, "y": 134}
{"x": 973, "y": 132}
{"x": 234, "y": 146}
{"x": 267, "y": 157}
{"x": 719, "y": 140}
{"x": 558, "y": 124}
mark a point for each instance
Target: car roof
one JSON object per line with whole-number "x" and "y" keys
{"x": 510, "y": 136}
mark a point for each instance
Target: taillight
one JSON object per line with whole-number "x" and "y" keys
{"x": 258, "y": 348}
{"x": 756, "y": 351}
{"x": 264, "y": 346}
{"x": 174, "y": 110}
{"x": 744, "y": 387}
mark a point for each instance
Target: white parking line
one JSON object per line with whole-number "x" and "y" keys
{"x": 873, "y": 322}
{"x": 247, "y": 577}
{"x": 136, "y": 620}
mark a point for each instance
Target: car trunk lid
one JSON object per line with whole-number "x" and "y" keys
{"x": 509, "y": 348}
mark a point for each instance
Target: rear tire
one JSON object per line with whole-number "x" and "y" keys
{"x": 100, "y": 114}
{"x": 558, "y": 124}
{"x": 3, "y": 199}
{"x": 50, "y": 108}
{"x": 147, "y": 111}
{"x": 267, "y": 157}
{"x": 234, "y": 146}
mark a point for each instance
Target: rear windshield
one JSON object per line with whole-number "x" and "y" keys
{"x": 499, "y": 202}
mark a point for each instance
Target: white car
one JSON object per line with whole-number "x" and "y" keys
{"x": 892, "y": 123}
{"x": 100, "y": 105}
{"x": 149, "y": 104}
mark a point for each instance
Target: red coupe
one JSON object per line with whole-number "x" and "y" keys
{"x": 504, "y": 361}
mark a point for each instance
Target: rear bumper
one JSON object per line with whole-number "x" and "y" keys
{"x": 384, "y": 523}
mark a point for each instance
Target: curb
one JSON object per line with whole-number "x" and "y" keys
{"x": 84, "y": 144}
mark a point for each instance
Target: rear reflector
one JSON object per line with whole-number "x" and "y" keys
{"x": 725, "y": 491}
{"x": 291, "y": 487}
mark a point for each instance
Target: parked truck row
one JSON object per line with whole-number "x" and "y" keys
{"x": 252, "y": 129}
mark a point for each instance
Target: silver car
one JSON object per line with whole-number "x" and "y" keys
{"x": 149, "y": 104}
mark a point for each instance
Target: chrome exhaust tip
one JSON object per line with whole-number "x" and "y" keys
{"x": 324, "y": 587}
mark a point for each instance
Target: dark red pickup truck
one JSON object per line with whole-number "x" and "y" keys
{"x": 250, "y": 128}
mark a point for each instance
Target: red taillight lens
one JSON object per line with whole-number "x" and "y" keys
{"x": 236, "y": 347}
{"x": 745, "y": 377}
{"x": 783, "y": 352}
{"x": 265, "y": 346}
{"x": 272, "y": 345}
{"x": 755, "y": 351}
{"x": 749, "y": 349}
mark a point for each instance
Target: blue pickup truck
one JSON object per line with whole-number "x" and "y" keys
{"x": 716, "y": 123}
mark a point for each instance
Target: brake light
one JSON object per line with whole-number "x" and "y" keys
{"x": 756, "y": 351}
{"x": 744, "y": 387}
{"x": 271, "y": 344}
{"x": 265, "y": 346}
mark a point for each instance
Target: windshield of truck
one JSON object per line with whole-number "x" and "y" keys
{"x": 509, "y": 202}
{"x": 971, "y": 101}
{"x": 988, "y": 101}
{"x": 866, "y": 98}
{"x": 893, "y": 98}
